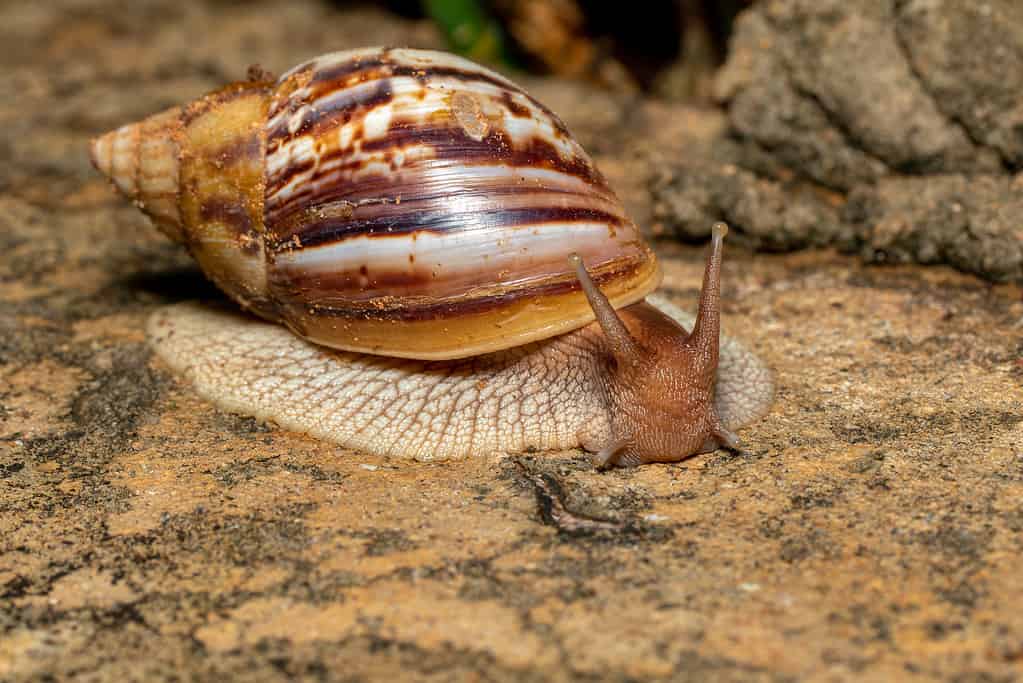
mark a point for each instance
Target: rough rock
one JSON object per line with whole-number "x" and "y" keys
{"x": 861, "y": 99}
{"x": 832, "y": 72}
{"x": 871, "y": 528}
{"x": 689, "y": 196}
{"x": 972, "y": 223}
{"x": 969, "y": 57}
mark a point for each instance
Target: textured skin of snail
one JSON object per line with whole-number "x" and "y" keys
{"x": 415, "y": 206}
{"x": 545, "y": 395}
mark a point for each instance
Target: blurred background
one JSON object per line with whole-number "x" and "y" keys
{"x": 666, "y": 47}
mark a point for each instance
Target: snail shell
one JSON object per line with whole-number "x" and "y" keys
{"x": 397, "y": 202}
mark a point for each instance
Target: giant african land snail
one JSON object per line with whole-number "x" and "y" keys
{"x": 420, "y": 214}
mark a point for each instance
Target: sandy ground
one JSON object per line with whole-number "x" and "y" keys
{"x": 872, "y": 529}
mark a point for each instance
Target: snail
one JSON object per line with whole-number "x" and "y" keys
{"x": 436, "y": 268}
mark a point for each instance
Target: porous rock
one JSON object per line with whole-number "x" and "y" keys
{"x": 972, "y": 223}
{"x": 688, "y": 197}
{"x": 871, "y": 99}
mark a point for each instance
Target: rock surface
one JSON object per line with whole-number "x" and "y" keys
{"x": 877, "y": 101}
{"x": 871, "y": 529}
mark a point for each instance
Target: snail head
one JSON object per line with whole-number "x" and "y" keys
{"x": 661, "y": 379}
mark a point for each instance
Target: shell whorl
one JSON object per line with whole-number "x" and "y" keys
{"x": 141, "y": 159}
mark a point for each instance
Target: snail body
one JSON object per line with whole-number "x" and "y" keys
{"x": 428, "y": 221}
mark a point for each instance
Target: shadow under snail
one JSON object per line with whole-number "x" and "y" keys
{"x": 428, "y": 221}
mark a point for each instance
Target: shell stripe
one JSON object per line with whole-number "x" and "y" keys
{"x": 358, "y": 72}
{"x": 343, "y": 288}
{"x": 307, "y": 167}
{"x": 434, "y": 310}
{"x": 445, "y": 220}
{"x": 323, "y": 111}
{"x": 340, "y": 69}
{"x": 301, "y": 143}
{"x": 514, "y": 98}
{"x": 488, "y": 189}
{"x": 504, "y": 175}
{"x": 442, "y": 265}
{"x": 453, "y": 144}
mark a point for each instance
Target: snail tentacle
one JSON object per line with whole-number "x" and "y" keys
{"x": 608, "y": 455}
{"x": 706, "y": 334}
{"x": 619, "y": 340}
{"x": 661, "y": 404}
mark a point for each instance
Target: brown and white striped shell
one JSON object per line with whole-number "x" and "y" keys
{"x": 391, "y": 201}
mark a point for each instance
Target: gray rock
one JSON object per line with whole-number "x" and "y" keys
{"x": 847, "y": 58}
{"x": 969, "y": 57}
{"x": 777, "y": 126}
{"x": 908, "y": 110}
{"x": 827, "y": 87}
{"x": 970, "y": 223}
{"x": 689, "y": 197}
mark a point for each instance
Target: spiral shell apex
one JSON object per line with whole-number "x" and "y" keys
{"x": 400, "y": 202}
